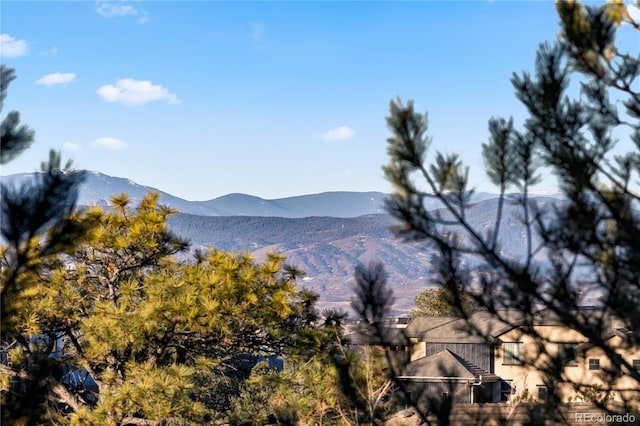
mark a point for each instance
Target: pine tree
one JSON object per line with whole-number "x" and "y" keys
{"x": 591, "y": 234}
{"x": 146, "y": 338}
{"x": 310, "y": 390}
{"x": 102, "y": 323}
{"x": 38, "y": 225}
{"x": 14, "y": 138}
{"x": 439, "y": 302}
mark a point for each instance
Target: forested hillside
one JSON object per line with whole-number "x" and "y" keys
{"x": 329, "y": 248}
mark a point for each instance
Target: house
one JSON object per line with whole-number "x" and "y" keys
{"x": 519, "y": 361}
{"x": 487, "y": 360}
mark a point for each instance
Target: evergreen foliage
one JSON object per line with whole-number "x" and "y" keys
{"x": 589, "y": 248}
{"x": 440, "y": 302}
{"x": 102, "y": 324}
{"x": 14, "y": 138}
{"x": 38, "y": 225}
{"x": 310, "y": 390}
{"x": 162, "y": 341}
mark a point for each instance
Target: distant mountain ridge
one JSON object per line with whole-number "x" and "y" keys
{"x": 326, "y": 235}
{"x": 329, "y": 248}
{"x": 98, "y": 188}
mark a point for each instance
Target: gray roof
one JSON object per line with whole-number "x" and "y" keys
{"x": 442, "y": 366}
{"x": 487, "y": 327}
{"x": 481, "y": 327}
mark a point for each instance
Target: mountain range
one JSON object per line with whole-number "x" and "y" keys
{"x": 97, "y": 189}
{"x": 328, "y": 248}
{"x": 326, "y": 235}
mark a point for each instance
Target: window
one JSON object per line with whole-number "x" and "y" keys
{"x": 506, "y": 389}
{"x": 542, "y": 393}
{"x": 594, "y": 363}
{"x": 512, "y": 353}
{"x": 636, "y": 364}
{"x": 567, "y": 353}
{"x": 398, "y": 348}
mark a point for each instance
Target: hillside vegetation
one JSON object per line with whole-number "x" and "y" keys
{"x": 329, "y": 248}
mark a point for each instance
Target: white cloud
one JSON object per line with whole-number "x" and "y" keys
{"x": 337, "y": 134}
{"x": 144, "y": 18}
{"x": 10, "y": 47}
{"x": 111, "y": 144}
{"x": 51, "y": 52}
{"x": 111, "y": 9}
{"x": 257, "y": 31}
{"x": 56, "y": 78}
{"x": 634, "y": 12}
{"x": 136, "y": 92}
{"x": 71, "y": 147}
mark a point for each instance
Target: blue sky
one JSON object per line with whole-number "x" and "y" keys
{"x": 206, "y": 98}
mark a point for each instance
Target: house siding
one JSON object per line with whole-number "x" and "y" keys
{"x": 479, "y": 354}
